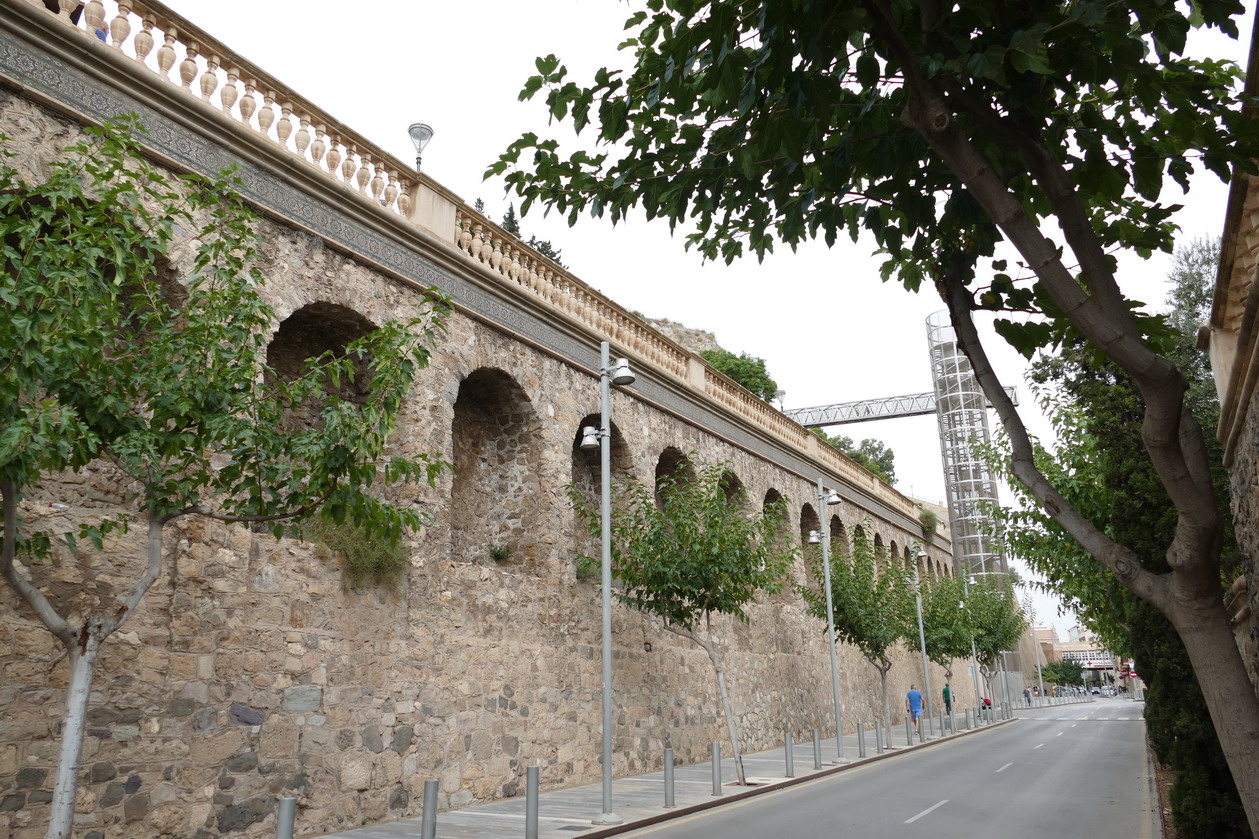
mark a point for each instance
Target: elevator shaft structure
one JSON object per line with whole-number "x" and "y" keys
{"x": 962, "y": 415}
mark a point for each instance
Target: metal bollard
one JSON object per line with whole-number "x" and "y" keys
{"x": 285, "y": 818}
{"x": 817, "y": 749}
{"x": 531, "y": 803}
{"x": 878, "y": 737}
{"x": 716, "y": 769}
{"x": 952, "y": 722}
{"x": 668, "y": 777}
{"x": 909, "y": 732}
{"x": 791, "y": 757}
{"x": 428, "y": 824}
{"x": 931, "y": 725}
{"x": 861, "y": 740}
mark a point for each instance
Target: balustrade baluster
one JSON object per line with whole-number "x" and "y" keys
{"x": 377, "y": 183}
{"x": 364, "y": 172}
{"x": 166, "y": 53}
{"x": 496, "y": 253}
{"x": 463, "y": 225}
{"x": 391, "y": 189}
{"x": 349, "y": 167}
{"x": 249, "y": 103}
{"x": 143, "y": 41}
{"x": 404, "y": 201}
{"x": 230, "y": 92}
{"x": 320, "y": 146}
{"x": 66, "y": 7}
{"x": 477, "y": 244}
{"x": 302, "y": 140}
{"x": 266, "y": 114}
{"x": 210, "y": 78}
{"x": 188, "y": 67}
{"x": 284, "y": 127}
{"x": 334, "y": 156}
{"x": 120, "y": 27}
{"x": 94, "y": 14}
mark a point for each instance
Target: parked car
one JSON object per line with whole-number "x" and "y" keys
{"x": 1096, "y": 691}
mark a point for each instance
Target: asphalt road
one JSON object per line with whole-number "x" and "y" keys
{"x": 1078, "y": 770}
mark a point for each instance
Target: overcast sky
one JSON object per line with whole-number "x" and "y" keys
{"x": 827, "y": 328}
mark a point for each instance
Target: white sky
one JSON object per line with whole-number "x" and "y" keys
{"x": 828, "y": 329}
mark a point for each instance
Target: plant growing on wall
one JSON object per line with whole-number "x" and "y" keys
{"x": 686, "y": 550}
{"x": 112, "y": 365}
{"x": 999, "y": 154}
{"x": 997, "y": 622}
{"x": 873, "y": 605}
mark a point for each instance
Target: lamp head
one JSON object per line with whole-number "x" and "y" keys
{"x": 832, "y": 498}
{"x": 815, "y": 538}
{"x": 621, "y": 374}
{"x": 921, "y": 554}
{"x": 589, "y": 438}
{"x": 420, "y": 133}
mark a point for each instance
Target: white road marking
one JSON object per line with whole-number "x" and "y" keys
{"x": 926, "y": 811}
{"x": 1059, "y": 734}
{"x": 1038, "y": 745}
{"x": 1003, "y": 768}
{"x": 1073, "y": 725}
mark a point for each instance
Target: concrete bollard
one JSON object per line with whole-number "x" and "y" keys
{"x": 861, "y": 739}
{"x": 716, "y": 769}
{"x": 531, "y": 803}
{"x": 789, "y": 745}
{"x": 909, "y": 732}
{"x": 428, "y": 824}
{"x": 878, "y": 737}
{"x": 285, "y": 818}
{"x": 817, "y": 749}
{"x": 668, "y": 777}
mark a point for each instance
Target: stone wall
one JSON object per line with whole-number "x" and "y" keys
{"x": 249, "y": 672}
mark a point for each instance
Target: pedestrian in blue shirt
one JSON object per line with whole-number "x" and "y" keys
{"x": 913, "y": 705}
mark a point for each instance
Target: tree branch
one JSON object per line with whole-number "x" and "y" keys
{"x": 33, "y": 597}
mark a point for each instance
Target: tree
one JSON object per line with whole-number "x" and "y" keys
{"x": 510, "y": 222}
{"x": 943, "y": 132}
{"x": 947, "y": 627}
{"x": 1063, "y": 673}
{"x": 747, "y": 370}
{"x": 870, "y": 454}
{"x": 872, "y": 602}
{"x": 113, "y": 366}
{"x": 997, "y": 620}
{"x": 687, "y": 551}
{"x": 1099, "y": 458}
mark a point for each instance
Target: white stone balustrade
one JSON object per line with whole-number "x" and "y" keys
{"x": 209, "y": 70}
{"x": 202, "y": 67}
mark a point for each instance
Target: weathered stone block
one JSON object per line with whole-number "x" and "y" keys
{"x": 303, "y": 698}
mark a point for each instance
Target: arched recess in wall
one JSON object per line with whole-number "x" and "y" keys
{"x": 736, "y": 494}
{"x": 811, "y": 555}
{"x": 496, "y": 501}
{"x": 880, "y": 553}
{"x": 587, "y": 480}
{"x": 307, "y": 334}
{"x": 673, "y": 465}
{"x": 782, "y": 535}
{"x": 894, "y": 555}
{"x": 839, "y": 537}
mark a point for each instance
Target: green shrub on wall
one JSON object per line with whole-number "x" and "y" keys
{"x": 365, "y": 559}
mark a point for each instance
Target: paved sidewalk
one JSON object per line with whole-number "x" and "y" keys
{"x": 639, "y": 801}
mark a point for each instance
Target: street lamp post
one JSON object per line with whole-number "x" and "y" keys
{"x": 609, "y": 375}
{"x": 825, "y": 499}
{"x": 974, "y": 655}
{"x": 922, "y": 636}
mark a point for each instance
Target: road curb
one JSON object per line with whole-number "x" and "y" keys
{"x": 678, "y": 812}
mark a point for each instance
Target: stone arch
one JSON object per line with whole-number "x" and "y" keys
{"x": 880, "y": 553}
{"x": 308, "y": 333}
{"x": 773, "y": 496}
{"x": 587, "y": 479}
{"x": 839, "y": 537}
{"x": 811, "y": 555}
{"x": 673, "y": 464}
{"x": 495, "y": 498}
{"x": 732, "y": 487}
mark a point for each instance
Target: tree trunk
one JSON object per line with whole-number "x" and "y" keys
{"x": 732, "y": 727}
{"x": 887, "y": 710}
{"x": 82, "y": 656}
{"x": 1229, "y": 694}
